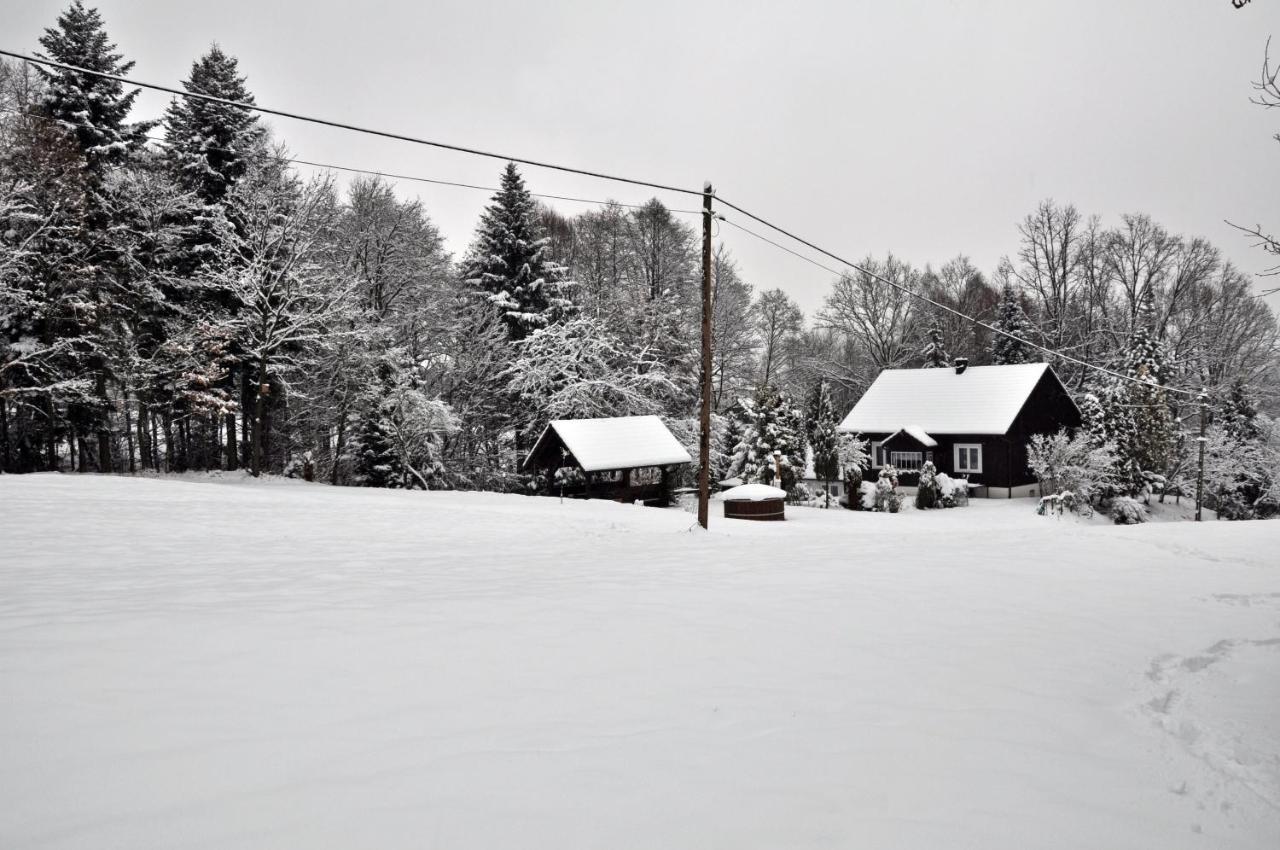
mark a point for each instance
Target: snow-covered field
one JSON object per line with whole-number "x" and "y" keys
{"x": 278, "y": 665}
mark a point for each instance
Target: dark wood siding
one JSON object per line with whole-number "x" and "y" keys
{"x": 1048, "y": 409}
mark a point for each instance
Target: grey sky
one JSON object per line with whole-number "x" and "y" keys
{"x": 928, "y": 129}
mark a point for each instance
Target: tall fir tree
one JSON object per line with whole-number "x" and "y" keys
{"x": 935, "y": 353}
{"x": 91, "y": 112}
{"x": 508, "y": 263}
{"x": 209, "y": 148}
{"x": 1153, "y": 423}
{"x": 210, "y": 143}
{"x": 824, "y": 440}
{"x": 1011, "y": 319}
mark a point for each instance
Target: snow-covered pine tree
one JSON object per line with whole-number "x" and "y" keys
{"x": 935, "y": 353}
{"x": 376, "y": 462}
{"x": 1153, "y": 426}
{"x": 209, "y": 148}
{"x": 91, "y": 113}
{"x": 1011, "y": 319}
{"x": 1239, "y": 413}
{"x": 740, "y": 440}
{"x": 729, "y": 437}
{"x": 507, "y": 263}
{"x": 824, "y": 442}
{"x": 209, "y": 144}
{"x": 1093, "y": 418}
{"x": 1118, "y": 428}
{"x": 93, "y": 110}
{"x": 778, "y": 426}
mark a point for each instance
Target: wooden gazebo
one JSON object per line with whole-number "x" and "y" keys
{"x": 624, "y": 458}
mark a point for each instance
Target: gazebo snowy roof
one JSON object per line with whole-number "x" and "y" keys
{"x": 979, "y": 400}
{"x": 622, "y": 442}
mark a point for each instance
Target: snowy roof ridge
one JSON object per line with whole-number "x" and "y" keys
{"x": 617, "y": 442}
{"x": 917, "y": 433}
{"x": 980, "y": 400}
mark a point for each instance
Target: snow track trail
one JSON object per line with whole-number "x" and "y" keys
{"x": 186, "y": 664}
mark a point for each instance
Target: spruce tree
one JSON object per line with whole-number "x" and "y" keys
{"x": 777, "y": 426}
{"x": 1153, "y": 425}
{"x": 91, "y": 113}
{"x": 1011, "y": 319}
{"x": 91, "y": 109}
{"x": 1239, "y": 414}
{"x": 934, "y": 353}
{"x": 209, "y": 149}
{"x": 1093, "y": 418}
{"x": 508, "y": 264}
{"x": 376, "y": 462}
{"x": 824, "y": 442}
{"x": 210, "y": 143}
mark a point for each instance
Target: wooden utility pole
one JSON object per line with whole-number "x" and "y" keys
{"x": 704, "y": 415}
{"x": 1201, "y": 440}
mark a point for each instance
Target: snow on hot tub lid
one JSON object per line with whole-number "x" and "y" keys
{"x": 753, "y": 493}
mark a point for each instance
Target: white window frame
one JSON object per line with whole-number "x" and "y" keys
{"x": 896, "y": 458}
{"x": 960, "y": 448}
{"x": 877, "y": 456}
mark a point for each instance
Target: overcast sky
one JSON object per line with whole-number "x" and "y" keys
{"x": 928, "y": 129}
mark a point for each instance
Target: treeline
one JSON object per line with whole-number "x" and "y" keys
{"x": 174, "y": 296}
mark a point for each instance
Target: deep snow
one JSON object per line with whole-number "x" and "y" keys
{"x": 279, "y": 665}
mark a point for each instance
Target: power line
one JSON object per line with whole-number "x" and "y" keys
{"x": 160, "y": 140}
{"x": 344, "y": 126}
{"x": 599, "y": 175}
{"x": 912, "y": 293}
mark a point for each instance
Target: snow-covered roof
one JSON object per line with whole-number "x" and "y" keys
{"x": 982, "y": 400}
{"x": 917, "y": 433}
{"x": 621, "y": 442}
{"x": 753, "y": 493}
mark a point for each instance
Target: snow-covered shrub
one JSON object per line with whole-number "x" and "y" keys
{"x": 800, "y": 494}
{"x": 928, "y": 494}
{"x": 1056, "y": 504}
{"x": 888, "y": 499}
{"x": 1077, "y": 464}
{"x": 854, "y": 461}
{"x": 1126, "y": 510}
{"x": 951, "y": 492}
{"x": 301, "y": 466}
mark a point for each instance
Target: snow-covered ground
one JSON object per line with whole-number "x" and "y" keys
{"x": 279, "y": 665}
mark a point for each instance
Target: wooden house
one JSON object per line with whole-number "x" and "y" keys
{"x": 624, "y": 458}
{"x": 972, "y": 422}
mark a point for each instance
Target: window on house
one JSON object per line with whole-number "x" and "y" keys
{"x": 906, "y": 461}
{"x": 968, "y": 457}
{"x": 877, "y": 456}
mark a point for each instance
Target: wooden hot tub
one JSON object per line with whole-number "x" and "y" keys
{"x": 758, "y": 502}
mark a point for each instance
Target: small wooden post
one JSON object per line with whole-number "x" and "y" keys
{"x": 1201, "y": 440}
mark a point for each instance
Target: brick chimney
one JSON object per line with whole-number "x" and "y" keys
{"x": 962, "y": 363}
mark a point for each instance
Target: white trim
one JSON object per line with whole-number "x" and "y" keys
{"x": 955, "y": 458}
{"x": 896, "y": 459}
{"x": 1023, "y": 491}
